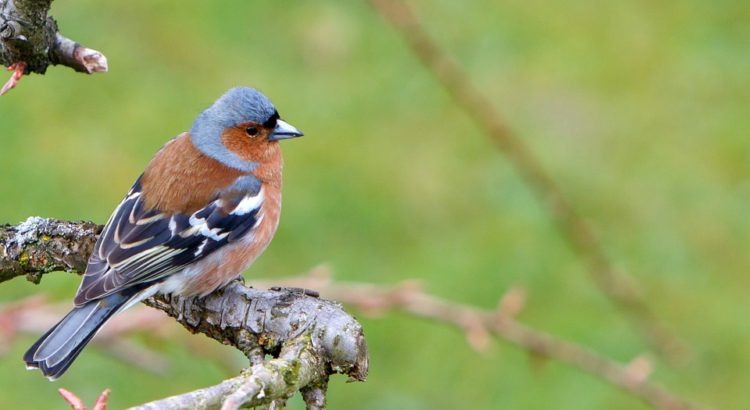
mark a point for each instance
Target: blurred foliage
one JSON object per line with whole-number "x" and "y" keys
{"x": 639, "y": 109}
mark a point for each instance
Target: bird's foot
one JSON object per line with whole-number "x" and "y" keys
{"x": 18, "y": 69}
{"x": 298, "y": 291}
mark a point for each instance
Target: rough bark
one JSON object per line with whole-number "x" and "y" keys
{"x": 40, "y": 245}
{"x": 309, "y": 338}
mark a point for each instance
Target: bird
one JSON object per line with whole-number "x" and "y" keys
{"x": 206, "y": 206}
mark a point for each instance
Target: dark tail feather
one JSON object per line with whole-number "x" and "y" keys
{"x": 54, "y": 352}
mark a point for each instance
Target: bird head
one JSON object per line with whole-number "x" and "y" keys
{"x": 241, "y": 124}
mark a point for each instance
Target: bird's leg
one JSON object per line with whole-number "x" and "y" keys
{"x": 18, "y": 69}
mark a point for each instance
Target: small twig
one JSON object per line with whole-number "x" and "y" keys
{"x": 615, "y": 284}
{"x": 101, "y": 401}
{"x": 18, "y": 69}
{"x": 70, "y": 397}
{"x": 86, "y": 60}
{"x": 77, "y": 404}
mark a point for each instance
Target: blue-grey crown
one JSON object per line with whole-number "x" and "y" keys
{"x": 238, "y": 105}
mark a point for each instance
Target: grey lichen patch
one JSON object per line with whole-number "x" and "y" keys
{"x": 28, "y": 230}
{"x": 40, "y": 245}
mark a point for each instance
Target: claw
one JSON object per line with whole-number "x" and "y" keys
{"x": 18, "y": 69}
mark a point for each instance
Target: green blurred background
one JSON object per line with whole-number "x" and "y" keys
{"x": 639, "y": 109}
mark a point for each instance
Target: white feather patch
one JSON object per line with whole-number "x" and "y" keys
{"x": 200, "y": 224}
{"x": 200, "y": 248}
{"x": 248, "y": 204}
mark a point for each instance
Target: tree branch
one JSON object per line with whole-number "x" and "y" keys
{"x": 312, "y": 338}
{"x": 30, "y": 42}
{"x": 39, "y": 245}
{"x": 297, "y": 365}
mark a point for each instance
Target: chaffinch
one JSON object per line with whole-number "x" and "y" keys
{"x": 204, "y": 209}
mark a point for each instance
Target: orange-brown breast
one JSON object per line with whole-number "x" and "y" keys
{"x": 238, "y": 256}
{"x": 182, "y": 179}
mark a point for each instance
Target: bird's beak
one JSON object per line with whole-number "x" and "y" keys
{"x": 283, "y": 131}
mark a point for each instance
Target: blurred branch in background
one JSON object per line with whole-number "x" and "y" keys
{"x": 310, "y": 338}
{"x": 617, "y": 285}
{"x": 30, "y": 42}
{"x": 480, "y": 325}
{"x": 299, "y": 366}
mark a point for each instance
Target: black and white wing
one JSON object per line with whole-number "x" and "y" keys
{"x": 140, "y": 247}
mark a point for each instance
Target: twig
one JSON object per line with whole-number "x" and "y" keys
{"x": 77, "y": 404}
{"x": 17, "y": 69}
{"x": 101, "y": 401}
{"x": 615, "y": 284}
{"x": 30, "y": 40}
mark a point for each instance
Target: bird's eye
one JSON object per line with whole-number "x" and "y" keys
{"x": 251, "y": 131}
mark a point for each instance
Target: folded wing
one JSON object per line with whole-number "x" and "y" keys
{"x": 139, "y": 247}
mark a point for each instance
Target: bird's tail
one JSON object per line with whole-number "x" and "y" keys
{"x": 54, "y": 352}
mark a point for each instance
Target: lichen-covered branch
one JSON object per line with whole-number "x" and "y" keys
{"x": 310, "y": 338}
{"x": 30, "y": 42}
{"x": 40, "y": 245}
{"x": 264, "y": 321}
